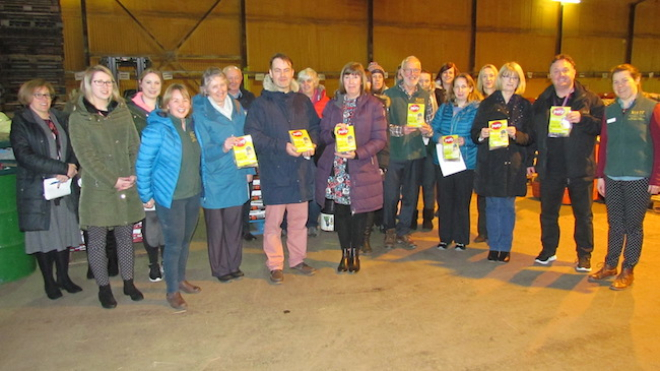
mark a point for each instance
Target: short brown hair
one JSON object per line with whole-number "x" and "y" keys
{"x": 170, "y": 90}
{"x": 281, "y": 56}
{"x": 563, "y": 57}
{"x": 25, "y": 93}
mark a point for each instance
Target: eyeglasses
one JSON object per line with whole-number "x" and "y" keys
{"x": 42, "y": 96}
{"x": 511, "y": 77}
{"x": 416, "y": 71}
{"x": 101, "y": 83}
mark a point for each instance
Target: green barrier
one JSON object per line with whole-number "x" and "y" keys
{"x": 14, "y": 262}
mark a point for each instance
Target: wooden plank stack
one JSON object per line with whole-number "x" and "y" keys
{"x": 31, "y": 45}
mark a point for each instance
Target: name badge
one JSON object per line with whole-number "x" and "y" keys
{"x": 613, "y": 119}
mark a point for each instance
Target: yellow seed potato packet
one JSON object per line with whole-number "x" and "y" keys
{"x": 244, "y": 154}
{"x": 301, "y": 140}
{"x": 345, "y": 139}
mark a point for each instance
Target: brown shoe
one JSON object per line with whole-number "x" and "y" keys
{"x": 176, "y": 301}
{"x": 390, "y": 238}
{"x": 406, "y": 242}
{"x": 623, "y": 280}
{"x": 276, "y": 276}
{"x": 604, "y": 272}
{"x": 189, "y": 288}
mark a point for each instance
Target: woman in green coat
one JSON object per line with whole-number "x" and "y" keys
{"x": 106, "y": 142}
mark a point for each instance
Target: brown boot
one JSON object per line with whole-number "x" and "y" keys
{"x": 176, "y": 301}
{"x": 390, "y": 238}
{"x": 604, "y": 272}
{"x": 623, "y": 280}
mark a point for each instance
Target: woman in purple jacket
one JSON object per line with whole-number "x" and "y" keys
{"x": 351, "y": 179}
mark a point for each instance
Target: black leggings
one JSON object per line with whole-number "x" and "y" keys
{"x": 349, "y": 227}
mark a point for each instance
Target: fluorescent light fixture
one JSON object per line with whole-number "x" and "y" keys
{"x": 568, "y": 1}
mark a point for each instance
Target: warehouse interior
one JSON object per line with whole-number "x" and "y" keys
{"x": 424, "y": 309}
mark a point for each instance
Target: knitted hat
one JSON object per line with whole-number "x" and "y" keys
{"x": 374, "y": 67}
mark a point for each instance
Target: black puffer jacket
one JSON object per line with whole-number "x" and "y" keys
{"x": 31, "y": 149}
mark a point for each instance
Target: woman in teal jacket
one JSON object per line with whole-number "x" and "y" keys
{"x": 455, "y": 191}
{"x": 219, "y": 121}
{"x": 168, "y": 177}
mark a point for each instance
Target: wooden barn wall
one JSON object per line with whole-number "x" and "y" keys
{"x": 325, "y": 34}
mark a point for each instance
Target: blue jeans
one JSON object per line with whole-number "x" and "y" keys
{"x": 500, "y": 221}
{"x": 178, "y": 223}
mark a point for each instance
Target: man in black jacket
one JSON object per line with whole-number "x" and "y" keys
{"x": 567, "y": 120}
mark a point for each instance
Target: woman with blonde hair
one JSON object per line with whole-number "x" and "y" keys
{"x": 500, "y": 173}
{"x": 486, "y": 82}
{"x": 106, "y": 142}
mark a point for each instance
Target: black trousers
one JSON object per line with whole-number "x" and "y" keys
{"x": 581, "y": 193}
{"x": 454, "y": 197}
{"x": 349, "y": 227}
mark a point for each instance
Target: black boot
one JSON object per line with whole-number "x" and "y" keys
{"x": 45, "y": 262}
{"x": 106, "y": 298}
{"x": 343, "y": 263}
{"x": 354, "y": 260}
{"x": 428, "y": 216}
{"x": 366, "y": 245}
{"x": 132, "y": 291}
{"x": 90, "y": 274}
{"x": 111, "y": 253}
{"x": 504, "y": 257}
{"x": 63, "y": 279}
{"x": 413, "y": 222}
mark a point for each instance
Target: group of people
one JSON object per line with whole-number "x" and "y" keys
{"x": 159, "y": 160}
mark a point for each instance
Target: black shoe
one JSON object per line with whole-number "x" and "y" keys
{"x": 132, "y": 291}
{"x": 238, "y": 274}
{"x": 493, "y": 255}
{"x": 442, "y": 246}
{"x": 249, "y": 236}
{"x": 52, "y": 291}
{"x": 226, "y": 278}
{"x": 106, "y": 298}
{"x": 460, "y": 247}
{"x": 545, "y": 258}
{"x": 504, "y": 257}
{"x": 154, "y": 273}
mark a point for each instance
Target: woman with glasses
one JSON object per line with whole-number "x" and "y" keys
{"x": 106, "y": 142}
{"x": 40, "y": 142}
{"x": 628, "y": 172}
{"x": 501, "y": 130}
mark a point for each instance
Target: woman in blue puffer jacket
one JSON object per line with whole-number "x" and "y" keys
{"x": 168, "y": 176}
{"x": 454, "y": 118}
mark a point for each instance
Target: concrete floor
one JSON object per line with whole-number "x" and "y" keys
{"x": 406, "y": 310}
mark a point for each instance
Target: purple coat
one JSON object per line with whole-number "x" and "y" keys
{"x": 371, "y": 136}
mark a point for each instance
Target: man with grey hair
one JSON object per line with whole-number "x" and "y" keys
{"x": 235, "y": 87}
{"x": 407, "y": 152}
